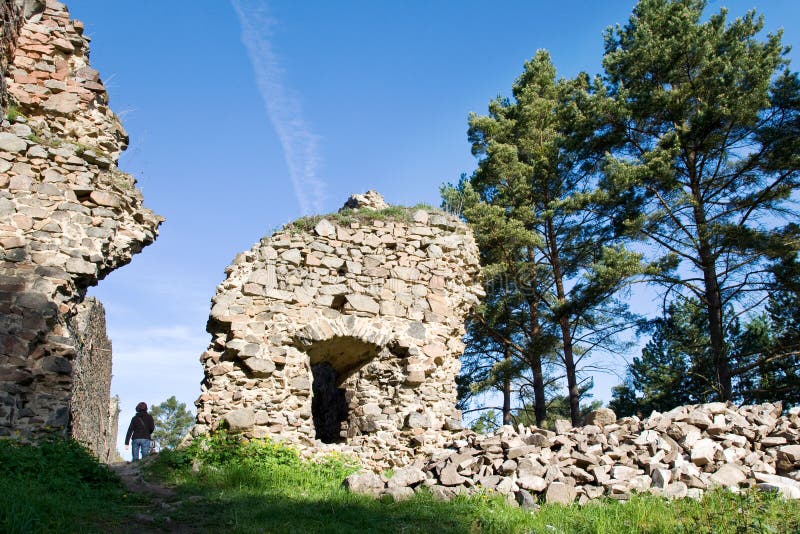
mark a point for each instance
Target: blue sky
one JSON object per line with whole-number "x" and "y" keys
{"x": 244, "y": 115}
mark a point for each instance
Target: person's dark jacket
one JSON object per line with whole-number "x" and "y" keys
{"x": 141, "y": 427}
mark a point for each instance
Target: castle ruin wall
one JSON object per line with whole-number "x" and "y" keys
{"x": 68, "y": 215}
{"x": 344, "y": 335}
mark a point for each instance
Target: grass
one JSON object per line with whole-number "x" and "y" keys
{"x": 58, "y": 486}
{"x": 264, "y": 487}
{"x": 347, "y": 216}
{"x": 13, "y": 113}
{"x": 230, "y": 485}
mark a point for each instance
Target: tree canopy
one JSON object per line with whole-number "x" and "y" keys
{"x": 702, "y": 168}
{"x": 678, "y": 167}
{"x": 172, "y": 421}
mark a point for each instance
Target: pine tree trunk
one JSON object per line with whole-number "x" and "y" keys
{"x": 563, "y": 321}
{"x": 539, "y": 402}
{"x": 507, "y": 390}
{"x": 572, "y": 380}
{"x": 716, "y": 330}
{"x": 535, "y": 363}
{"x": 713, "y": 302}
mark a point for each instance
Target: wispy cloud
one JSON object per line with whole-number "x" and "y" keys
{"x": 299, "y": 143}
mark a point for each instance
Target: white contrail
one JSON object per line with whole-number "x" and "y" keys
{"x": 283, "y": 107}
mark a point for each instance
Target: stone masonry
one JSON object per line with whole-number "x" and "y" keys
{"x": 344, "y": 333}
{"x": 91, "y": 407}
{"x": 68, "y": 217}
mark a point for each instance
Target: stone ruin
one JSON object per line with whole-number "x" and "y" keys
{"x": 680, "y": 453}
{"x": 336, "y": 333}
{"x": 68, "y": 217}
{"x": 344, "y": 333}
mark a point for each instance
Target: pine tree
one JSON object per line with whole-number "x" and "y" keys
{"x": 676, "y": 366}
{"x": 776, "y": 368}
{"x": 703, "y": 120}
{"x": 661, "y": 378}
{"x": 530, "y": 203}
{"x": 173, "y": 421}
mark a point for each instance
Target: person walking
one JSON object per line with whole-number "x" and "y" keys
{"x": 140, "y": 429}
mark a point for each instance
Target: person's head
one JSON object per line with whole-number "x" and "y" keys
{"x": 141, "y": 407}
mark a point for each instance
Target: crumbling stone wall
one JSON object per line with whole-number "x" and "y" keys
{"x": 11, "y": 19}
{"x": 365, "y": 315}
{"x": 68, "y": 216}
{"x": 91, "y": 380}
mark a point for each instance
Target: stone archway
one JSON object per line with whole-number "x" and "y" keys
{"x": 332, "y": 362}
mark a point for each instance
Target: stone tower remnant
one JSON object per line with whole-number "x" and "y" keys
{"x": 344, "y": 332}
{"x": 68, "y": 217}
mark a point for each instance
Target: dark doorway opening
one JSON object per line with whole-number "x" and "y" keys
{"x": 333, "y": 361}
{"x": 328, "y": 404}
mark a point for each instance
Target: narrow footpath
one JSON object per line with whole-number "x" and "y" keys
{"x": 156, "y": 517}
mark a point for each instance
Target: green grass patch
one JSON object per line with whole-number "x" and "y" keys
{"x": 58, "y": 486}
{"x": 348, "y": 216}
{"x": 13, "y": 113}
{"x": 260, "y": 486}
{"x": 228, "y": 484}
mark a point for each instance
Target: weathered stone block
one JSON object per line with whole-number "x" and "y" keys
{"x": 240, "y": 420}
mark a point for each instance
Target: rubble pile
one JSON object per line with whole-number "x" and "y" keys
{"x": 675, "y": 454}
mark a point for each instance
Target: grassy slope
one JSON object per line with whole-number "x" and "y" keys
{"x": 60, "y": 487}
{"x": 244, "y": 499}
{"x": 266, "y": 488}
{"x": 252, "y": 491}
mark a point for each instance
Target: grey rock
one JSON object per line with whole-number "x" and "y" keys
{"x": 292, "y": 256}
{"x": 260, "y": 367}
{"x": 416, "y": 330}
{"x": 729, "y": 475}
{"x": 676, "y": 490}
{"x": 562, "y": 426}
{"x": 103, "y": 198}
{"x": 525, "y": 500}
{"x": 240, "y": 420}
{"x": 63, "y": 103}
{"x": 558, "y": 492}
{"x": 77, "y": 266}
{"x": 399, "y": 493}
{"x": 788, "y": 492}
{"x": 365, "y": 483}
{"x": 57, "y": 364}
{"x": 703, "y": 452}
{"x": 371, "y": 200}
{"x": 789, "y": 488}
{"x": 418, "y": 420}
{"x": 661, "y": 478}
{"x": 406, "y": 476}
{"x": 11, "y": 143}
{"x": 450, "y": 477}
{"x": 788, "y": 457}
{"x": 531, "y": 482}
{"x": 601, "y": 417}
{"x": 324, "y": 228}
{"x": 363, "y": 303}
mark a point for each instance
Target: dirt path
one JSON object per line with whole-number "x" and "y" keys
{"x": 164, "y": 500}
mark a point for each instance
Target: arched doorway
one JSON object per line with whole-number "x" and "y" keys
{"x": 333, "y": 361}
